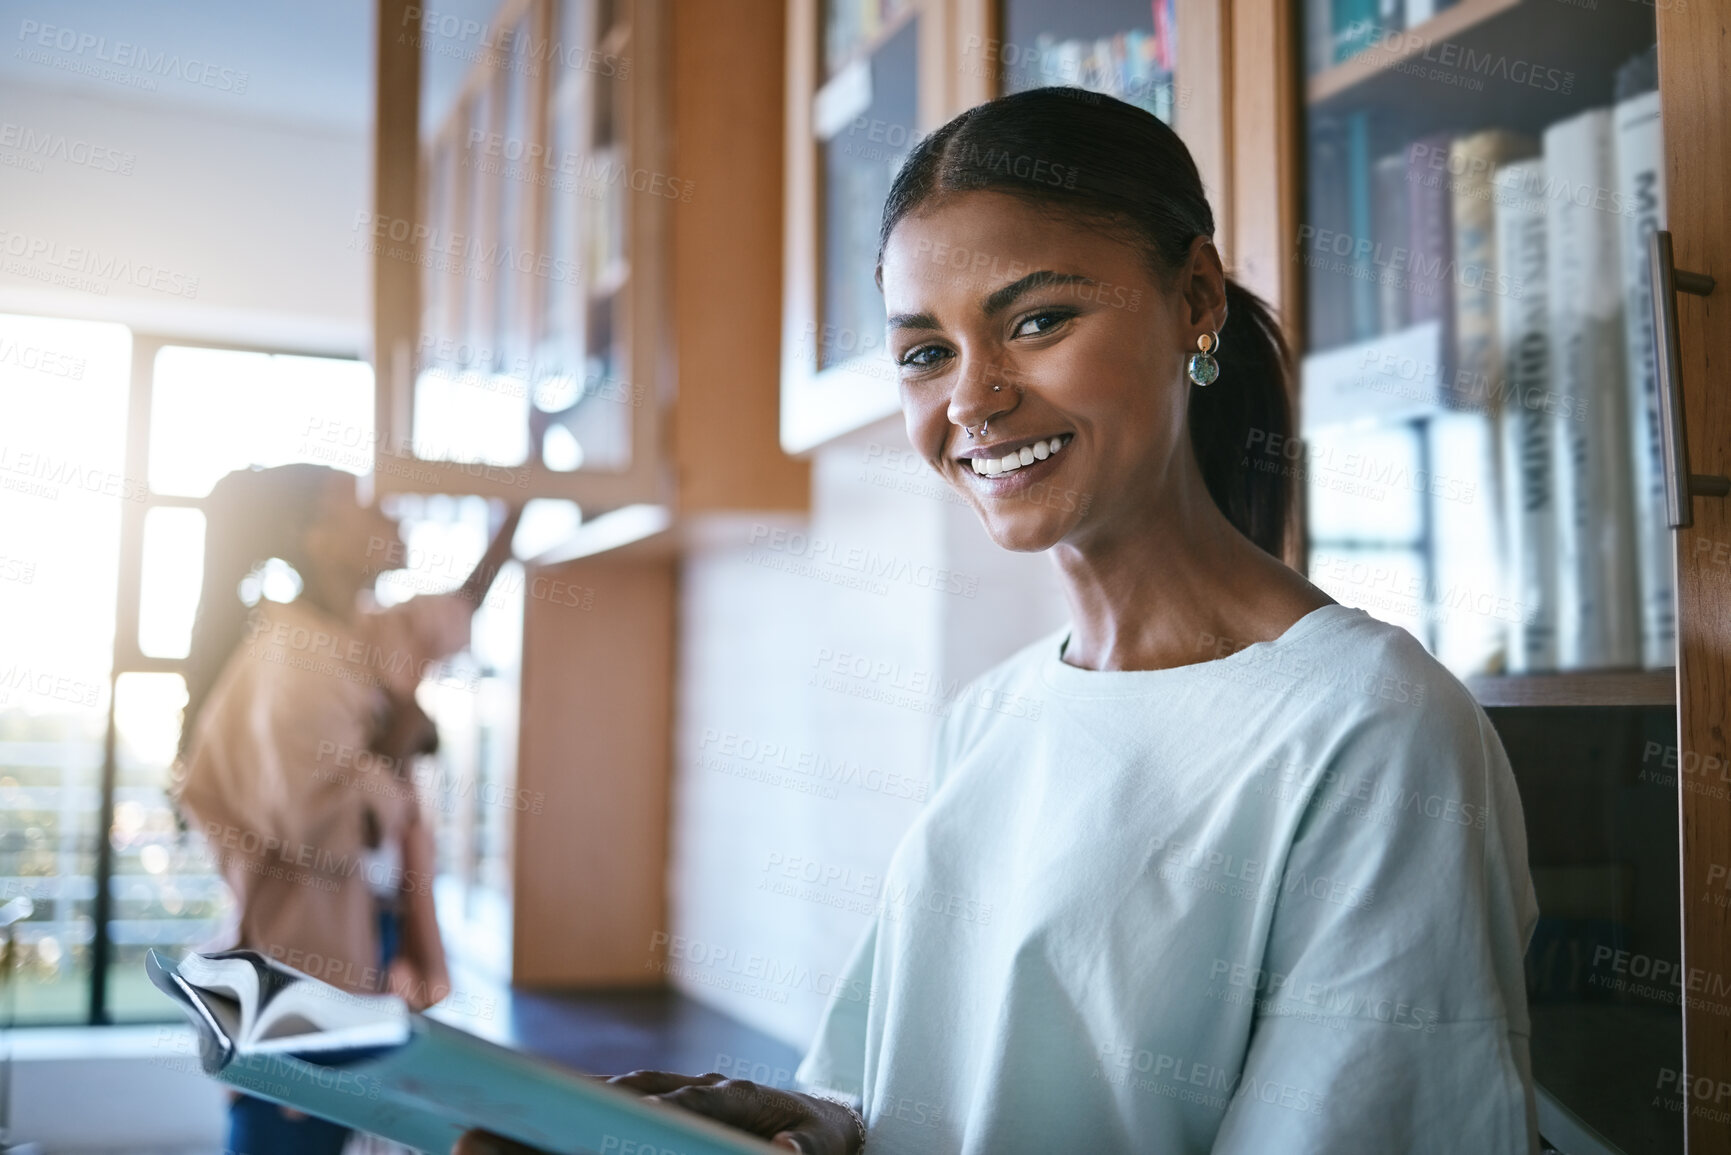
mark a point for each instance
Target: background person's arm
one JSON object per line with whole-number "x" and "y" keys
{"x": 480, "y": 579}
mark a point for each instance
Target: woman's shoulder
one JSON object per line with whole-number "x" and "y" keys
{"x": 1394, "y": 713}
{"x": 1366, "y": 666}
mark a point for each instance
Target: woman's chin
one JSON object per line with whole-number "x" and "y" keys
{"x": 1024, "y": 534}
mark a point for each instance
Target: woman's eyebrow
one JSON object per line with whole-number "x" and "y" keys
{"x": 998, "y": 299}
{"x": 914, "y": 321}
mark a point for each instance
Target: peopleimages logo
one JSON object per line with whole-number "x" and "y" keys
{"x": 122, "y": 54}
{"x": 70, "y": 149}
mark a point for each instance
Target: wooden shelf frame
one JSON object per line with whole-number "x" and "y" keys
{"x": 641, "y": 325}
{"x": 1382, "y": 58}
{"x": 1428, "y": 78}
{"x": 1587, "y": 688}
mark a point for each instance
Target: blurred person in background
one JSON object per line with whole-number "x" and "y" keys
{"x": 300, "y": 729}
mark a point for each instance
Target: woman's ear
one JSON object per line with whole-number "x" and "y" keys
{"x": 1203, "y": 282}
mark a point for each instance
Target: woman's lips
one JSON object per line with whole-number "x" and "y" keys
{"x": 994, "y": 474}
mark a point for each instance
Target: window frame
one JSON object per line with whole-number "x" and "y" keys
{"x": 128, "y": 656}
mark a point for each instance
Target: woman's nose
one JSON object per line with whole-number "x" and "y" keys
{"x": 982, "y": 392}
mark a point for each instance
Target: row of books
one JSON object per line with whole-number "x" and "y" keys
{"x": 1588, "y": 544}
{"x": 1514, "y": 270}
{"x": 1134, "y": 66}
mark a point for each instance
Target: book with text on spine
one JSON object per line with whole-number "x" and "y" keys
{"x": 1529, "y": 491}
{"x": 1598, "y": 624}
{"x": 366, "y": 1062}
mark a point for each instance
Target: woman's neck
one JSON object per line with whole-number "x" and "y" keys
{"x": 1174, "y": 583}
{"x": 331, "y": 594}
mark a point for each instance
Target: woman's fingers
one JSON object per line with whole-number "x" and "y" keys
{"x": 661, "y": 1082}
{"x": 739, "y": 1103}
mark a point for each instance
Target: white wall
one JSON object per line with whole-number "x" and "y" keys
{"x": 758, "y": 649}
{"x": 259, "y": 210}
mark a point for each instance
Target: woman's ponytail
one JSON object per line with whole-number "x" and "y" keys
{"x": 251, "y": 516}
{"x": 1240, "y": 424}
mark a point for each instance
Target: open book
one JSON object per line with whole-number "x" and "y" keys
{"x": 365, "y": 1062}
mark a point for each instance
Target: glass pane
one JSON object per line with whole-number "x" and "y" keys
{"x": 519, "y": 357}
{"x": 851, "y": 27}
{"x": 1123, "y": 48}
{"x": 217, "y": 410}
{"x": 471, "y": 781}
{"x": 517, "y": 240}
{"x": 471, "y": 416}
{"x": 165, "y": 890}
{"x": 63, "y": 403}
{"x": 867, "y": 120}
{"x": 1475, "y": 255}
{"x": 1604, "y": 973}
{"x": 1479, "y": 189}
{"x": 172, "y": 578}
{"x": 1364, "y": 483}
{"x": 559, "y": 350}
{"x": 1386, "y": 583}
{"x": 481, "y": 218}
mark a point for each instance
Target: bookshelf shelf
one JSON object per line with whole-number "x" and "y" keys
{"x": 1442, "y": 73}
{"x": 1380, "y": 59}
{"x": 1597, "y": 688}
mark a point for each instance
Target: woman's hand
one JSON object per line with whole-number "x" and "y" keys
{"x": 404, "y": 979}
{"x": 788, "y": 1119}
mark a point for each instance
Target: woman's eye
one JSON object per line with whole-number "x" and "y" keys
{"x": 924, "y": 357}
{"x": 1037, "y": 323}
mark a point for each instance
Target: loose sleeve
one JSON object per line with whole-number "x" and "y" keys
{"x": 1391, "y": 1005}
{"x": 836, "y": 1061}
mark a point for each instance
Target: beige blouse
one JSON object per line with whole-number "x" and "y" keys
{"x": 281, "y": 784}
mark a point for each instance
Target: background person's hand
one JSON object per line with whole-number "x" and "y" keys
{"x": 787, "y": 1119}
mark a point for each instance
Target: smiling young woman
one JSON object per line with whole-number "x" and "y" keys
{"x": 1256, "y": 868}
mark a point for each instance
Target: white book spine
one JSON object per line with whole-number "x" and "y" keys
{"x": 1598, "y": 621}
{"x": 1641, "y": 188}
{"x": 1529, "y": 487}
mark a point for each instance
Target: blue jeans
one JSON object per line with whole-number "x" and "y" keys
{"x": 259, "y": 1127}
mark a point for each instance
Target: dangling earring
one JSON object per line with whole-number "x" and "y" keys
{"x": 1204, "y": 369}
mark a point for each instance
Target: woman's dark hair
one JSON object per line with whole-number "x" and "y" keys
{"x": 251, "y": 516}
{"x": 1122, "y": 169}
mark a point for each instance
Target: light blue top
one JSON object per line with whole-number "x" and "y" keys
{"x": 1271, "y": 902}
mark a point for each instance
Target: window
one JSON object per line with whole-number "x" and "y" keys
{"x": 100, "y": 576}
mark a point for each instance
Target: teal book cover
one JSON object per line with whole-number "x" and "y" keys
{"x": 420, "y": 1082}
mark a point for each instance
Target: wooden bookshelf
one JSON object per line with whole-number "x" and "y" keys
{"x": 1421, "y": 76}
{"x": 1380, "y": 59}
{"x": 1595, "y": 688}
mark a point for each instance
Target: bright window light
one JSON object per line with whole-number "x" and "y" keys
{"x": 173, "y": 574}
{"x": 218, "y": 410}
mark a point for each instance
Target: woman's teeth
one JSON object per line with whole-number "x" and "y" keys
{"x": 1027, "y": 455}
